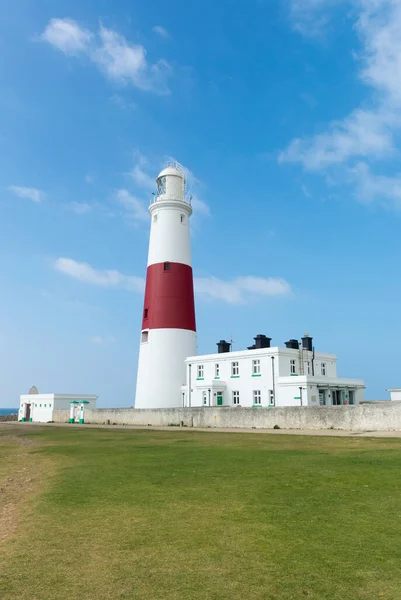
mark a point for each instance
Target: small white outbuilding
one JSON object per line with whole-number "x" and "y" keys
{"x": 395, "y": 394}
{"x": 39, "y": 408}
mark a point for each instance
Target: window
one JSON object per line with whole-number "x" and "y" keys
{"x": 234, "y": 369}
{"x": 145, "y": 313}
{"x": 50, "y": 405}
{"x": 144, "y": 337}
{"x": 154, "y": 218}
{"x": 235, "y": 397}
{"x": 271, "y": 398}
{"x": 308, "y": 368}
{"x": 40, "y": 406}
{"x": 161, "y": 185}
{"x": 351, "y": 397}
{"x": 323, "y": 368}
{"x": 217, "y": 370}
{"x": 182, "y": 217}
{"x": 204, "y": 396}
{"x": 44, "y": 406}
{"x": 167, "y": 266}
{"x": 200, "y": 371}
{"x": 36, "y": 406}
{"x": 256, "y": 367}
{"x": 292, "y": 367}
{"x": 257, "y": 397}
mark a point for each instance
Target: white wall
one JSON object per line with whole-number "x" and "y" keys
{"x": 395, "y": 394}
{"x": 383, "y": 416}
{"x": 41, "y": 407}
{"x": 287, "y": 392}
{"x": 169, "y": 238}
{"x": 161, "y": 367}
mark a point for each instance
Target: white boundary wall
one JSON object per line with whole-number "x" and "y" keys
{"x": 383, "y": 416}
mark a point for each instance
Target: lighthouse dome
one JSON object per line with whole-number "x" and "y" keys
{"x": 171, "y": 171}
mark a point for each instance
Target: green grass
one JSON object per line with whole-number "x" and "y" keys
{"x": 183, "y": 515}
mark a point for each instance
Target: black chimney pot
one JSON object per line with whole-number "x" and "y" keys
{"x": 223, "y": 347}
{"x": 307, "y": 343}
{"x": 292, "y": 344}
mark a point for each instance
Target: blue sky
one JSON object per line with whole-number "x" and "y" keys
{"x": 287, "y": 116}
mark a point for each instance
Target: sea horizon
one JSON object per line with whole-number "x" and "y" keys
{"x": 8, "y": 411}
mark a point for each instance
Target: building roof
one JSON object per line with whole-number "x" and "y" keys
{"x": 257, "y": 352}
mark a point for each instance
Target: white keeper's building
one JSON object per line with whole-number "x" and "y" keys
{"x": 38, "y": 408}
{"x": 265, "y": 376}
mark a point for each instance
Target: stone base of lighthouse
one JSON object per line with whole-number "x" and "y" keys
{"x": 161, "y": 368}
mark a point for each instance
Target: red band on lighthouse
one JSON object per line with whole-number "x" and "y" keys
{"x": 169, "y": 297}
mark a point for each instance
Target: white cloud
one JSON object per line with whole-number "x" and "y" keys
{"x": 238, "y": 291}
{"x": 363, "y": 134}
{"x": 140, "y": 175}
{"x": 162, "y": 32}
{"x": 99, "y": 340}
{"x": 80, "y": 208}
{"x": 67, "y": 36}
{"x": 27, "y": 192}
{"x": 241, "y": 289}
{"x": 305, "y": 191}
{"x": 384, "y": 189}
{"x": 134, "y": 208}
{"x": 200, "y": 207}
{"x": 311, "y": 17}
{"x": 122, "y": 103}
{"x": 369, "y": 133}
{"x": 104, "y": 278}
{"x": 120, "y": 60}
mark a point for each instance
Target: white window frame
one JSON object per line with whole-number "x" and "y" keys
{"x": 257, "y": 397}
{"x": 236, "y": 398}
{"x": 217, "y": 370}
{"x": 323, "y": 369}
{"x": 200, "y": 373}
{"x": 235, "y": 369}
{"x": 293, "y": 367}
{"x": 256, "y": 366}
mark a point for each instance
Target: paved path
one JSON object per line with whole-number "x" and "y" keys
{"x": 316, "y": 432}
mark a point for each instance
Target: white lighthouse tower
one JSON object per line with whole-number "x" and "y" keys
{"x": 168, "y": 334}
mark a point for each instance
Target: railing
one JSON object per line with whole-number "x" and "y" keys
{"x": 154, "y": 198}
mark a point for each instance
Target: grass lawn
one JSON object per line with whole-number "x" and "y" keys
{"x": 173, "y": 515}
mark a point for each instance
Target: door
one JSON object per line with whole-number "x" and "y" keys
{"x": 204, "y": 398}
{"x": 28, "y": 412}
{"x": 336, "y": 395}
{"x": 322, "y": 397}
{"x": 219, "y": 399}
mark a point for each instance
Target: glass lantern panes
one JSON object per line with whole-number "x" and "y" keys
{"x": 161, "y": 186}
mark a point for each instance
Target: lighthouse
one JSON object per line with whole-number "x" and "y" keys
{"x": 168, "y": 334}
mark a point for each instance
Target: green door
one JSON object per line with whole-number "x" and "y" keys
{"x": 219, "y": 400}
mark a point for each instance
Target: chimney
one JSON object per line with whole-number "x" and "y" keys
{"x": 307, "y": 343}
{"x": 261, "y": 341}
{"x": 292, "y": 344}
{"x": 223, "y": 347}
